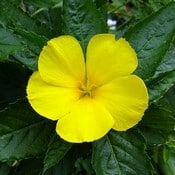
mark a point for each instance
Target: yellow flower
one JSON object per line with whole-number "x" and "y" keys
{"x": 88, "y": 98}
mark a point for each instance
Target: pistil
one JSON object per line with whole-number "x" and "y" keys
{"x": 87, "y": 90}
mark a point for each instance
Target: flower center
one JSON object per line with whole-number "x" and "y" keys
{"x": 87, "y": 90}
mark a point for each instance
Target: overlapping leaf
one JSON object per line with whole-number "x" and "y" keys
{"x": 32, "y": 46}
{"x": 33, "y": 24}
{"x": 159, "y": 120}
{"x": 82, "y": 20}
{"x": 164, "y": 76}
{"x": 57, "y": 149}
{"x": 121, "y": 153}
{"x": 23, "y": 133}
{"x": 157, "y": 124}
{"x": 152, "y": 39}
{"x": 9, "y": 44}
{"x": 23, "y": 16}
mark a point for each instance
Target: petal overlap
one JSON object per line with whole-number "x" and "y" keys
{"x": 50, "y": 101}
{"x": 88, "y": 98}
{"x": 88, "y": 121}
{"x": 126, "y": 98}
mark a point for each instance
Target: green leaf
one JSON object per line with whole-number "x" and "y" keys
{"x": 159, "y": 87}
{"x": 158, "y": 122}
{"x": 23, "y": 133}
{"x": 100, "y": 3}
{"x": 11, "y": 14}
{"x": 66, "y": 165}
{"x": 47, "y": 14}
{"x": 34, "y": 23}
{"x": 163, "y": 78}
{"x": 121, "y": 153}
{"x": 13, "y": 81}
{"x": 70, "y": 163}
{"x": 9, "y": 44}
{"x": 168, "y": 99}
{"x": 167, "y": 160}
{"x": 82, "y": 20}
{"x": 151, "y": 39}
{"x": 57, "y": 149}
{"x": 164, "y": 155}
{"x": 102, "y": 7}
{"x": 171, "y": 142}
{"x": 41, "y": 3}
{"x": 33, "y": 44}
{"x": 27, "y": 57}
{"x": 167, "y": 64}
{"x": 29, "y": 17}
{"x": 159, "y": 118}
{"x": 37, "y": 40}
{"x": 84, "y": 166}
{"x": 156, "y": 51}
{"x": 154, "y": 136}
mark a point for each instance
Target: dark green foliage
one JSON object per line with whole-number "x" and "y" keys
{"x": 28, "y": 142}
{"x": 121, "y": 153}
{"x": 9, "y": 43}
{"x": 151, "y": 39}
{"x": 56, "y": 150}
{"x": 13, "y": 80}
{"x": 82, "y": 20}
{"x": 23, "y": 133}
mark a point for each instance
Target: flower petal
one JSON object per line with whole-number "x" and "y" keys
{"x": 126, "y": 99}
{"x": 49, "y": 101}
{"x": 61, "y": 62}
{"x": 105, "y": 54}
{"x": 88, "y": 121}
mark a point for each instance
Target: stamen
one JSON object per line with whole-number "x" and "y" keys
{"x": 87, "y": 90}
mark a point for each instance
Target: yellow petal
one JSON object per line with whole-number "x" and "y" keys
{"x": 49, "y": 101}
{"x": 61, "y": 62}
{"x": 88, "y": 121}
{"x": 108, "y": 58}
{"x": 126, "y": 99}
